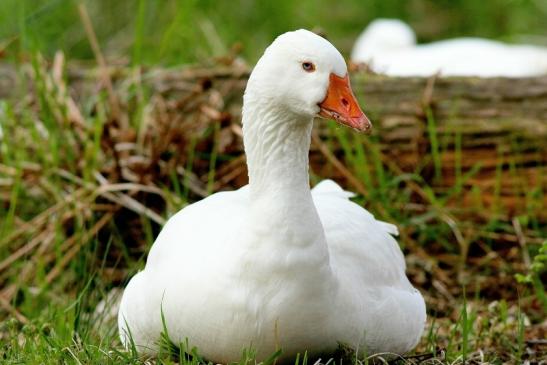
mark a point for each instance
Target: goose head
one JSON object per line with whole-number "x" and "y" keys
{"x": 303, "y": 74}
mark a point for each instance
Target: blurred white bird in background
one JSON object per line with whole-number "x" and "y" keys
{"x": 389, "y": 47}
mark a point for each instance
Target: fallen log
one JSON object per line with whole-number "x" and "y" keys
{"x": 492, "y": 130}
{"x": 496, "y": 127}
{"x": 487, "y": 138}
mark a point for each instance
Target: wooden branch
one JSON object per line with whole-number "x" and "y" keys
{"x": 491, "y": 134}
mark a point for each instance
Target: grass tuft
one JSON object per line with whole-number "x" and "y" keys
{"x": 94, "y": 160}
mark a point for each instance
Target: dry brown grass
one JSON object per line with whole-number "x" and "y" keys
{"x": 94, "y": 160}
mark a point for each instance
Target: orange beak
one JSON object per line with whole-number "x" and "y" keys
{"x": 340, "y": 104}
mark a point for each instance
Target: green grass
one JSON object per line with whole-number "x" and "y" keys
{"x": 85, "y": 236}
{"x": 42, "y": 170}
{"x": 179, "y": 31}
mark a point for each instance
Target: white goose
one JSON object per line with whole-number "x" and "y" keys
{"x": 274, "y": 265}
{"x": 389, "y": 47}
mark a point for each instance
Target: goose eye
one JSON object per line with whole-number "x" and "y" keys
{"x": 308, "y": 66}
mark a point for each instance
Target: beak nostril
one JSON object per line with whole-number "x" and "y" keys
{"x": 345, "y": 102}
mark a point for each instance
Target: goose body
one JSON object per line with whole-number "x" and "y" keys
{"x": 389, "y": 47}
{"x": 275, "y": 265}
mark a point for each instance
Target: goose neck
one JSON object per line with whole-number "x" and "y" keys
{"x": 277, "y": 144}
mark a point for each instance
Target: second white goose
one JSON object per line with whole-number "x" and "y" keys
{"x": 389, "y": 47}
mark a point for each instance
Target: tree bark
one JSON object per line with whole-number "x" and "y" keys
{"x": 491, "y": 134}
{"x": 485, "y": 137}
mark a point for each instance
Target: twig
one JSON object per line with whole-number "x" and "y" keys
{"x": 74, "y": 114}
{"x": 536, "y": 341}
{"x": 427, "y": 96}
{"x": 338, "y": 165}
{"x": 126, "y": 201}
{"x": 38, "y": 221}
{"x": 52, "y": 275}
{"x": 194, "y": 183}
{"x": 23, "y": 250}
{"x": 522, "y": 242}
{"x": 92, "y": 37}
{"x": 14, "y": 312}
